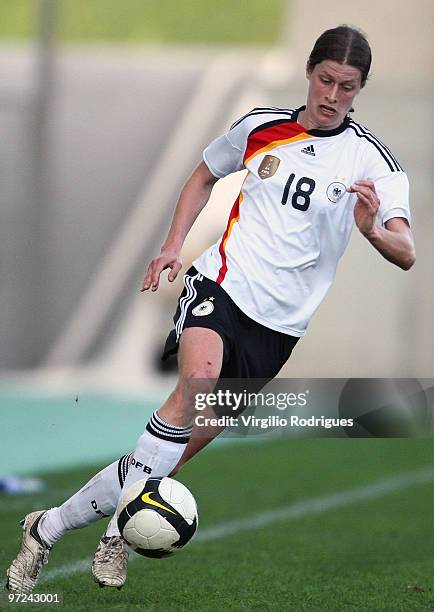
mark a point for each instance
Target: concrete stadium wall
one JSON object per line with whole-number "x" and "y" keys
{"x": 66, "y": 191}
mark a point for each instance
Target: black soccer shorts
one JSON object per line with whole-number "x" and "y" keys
{"x": 251, "y": 350}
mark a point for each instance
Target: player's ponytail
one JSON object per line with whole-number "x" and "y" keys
{"x": 345, "y": 45}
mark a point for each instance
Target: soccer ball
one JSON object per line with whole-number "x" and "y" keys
{"x": 157, "y": 516}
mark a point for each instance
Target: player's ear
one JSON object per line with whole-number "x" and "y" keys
{"x": 308, "y": 71}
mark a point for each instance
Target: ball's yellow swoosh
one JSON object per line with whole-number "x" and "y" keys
{"x": 147, "y": 499}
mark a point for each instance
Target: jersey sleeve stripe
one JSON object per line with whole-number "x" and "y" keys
{"x": 381, "y": 148}
{"x": 382, "y": 153}
{"x": 272, "y": 110}
{"x": 233, "y": 218}
{"x": 380, "y": 144}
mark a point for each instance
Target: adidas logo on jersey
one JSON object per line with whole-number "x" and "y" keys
{"x": 309, "y": 150}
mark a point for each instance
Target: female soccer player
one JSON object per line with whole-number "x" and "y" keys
{"x": 312, "y": 173}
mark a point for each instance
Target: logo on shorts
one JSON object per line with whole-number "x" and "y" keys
{"x": 335, "y": 191}
{"x": 204, "y": 308}
{"x": 268, "y": 166}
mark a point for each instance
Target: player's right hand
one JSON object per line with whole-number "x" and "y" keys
{"x": 166, "y": 259}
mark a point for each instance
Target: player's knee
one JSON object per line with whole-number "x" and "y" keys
{"x": 183, "y": 398}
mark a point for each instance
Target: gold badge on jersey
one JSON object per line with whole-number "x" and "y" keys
{"x": 268, "y": 166}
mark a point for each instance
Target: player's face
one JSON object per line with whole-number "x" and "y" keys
{"x": 332, "y": 89}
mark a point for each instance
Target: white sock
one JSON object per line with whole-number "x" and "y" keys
{"x": 157, "y": 452}
{"x": 97, "y": 499}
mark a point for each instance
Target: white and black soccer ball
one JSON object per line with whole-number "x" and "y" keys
{"x": 157, "y": 516}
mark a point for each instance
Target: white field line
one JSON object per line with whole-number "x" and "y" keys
{"x": 300, "y": 509}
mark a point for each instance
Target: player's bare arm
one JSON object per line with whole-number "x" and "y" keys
{"x": 193, "y": 197}
{"x": 395, "y": 241}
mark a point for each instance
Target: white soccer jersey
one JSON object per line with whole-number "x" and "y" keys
{"x": 293, "y": 217}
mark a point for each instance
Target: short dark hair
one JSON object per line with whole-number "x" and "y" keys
{"x": 345, "y": 45}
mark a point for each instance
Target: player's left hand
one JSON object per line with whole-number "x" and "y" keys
{"x": 367, "y": 205}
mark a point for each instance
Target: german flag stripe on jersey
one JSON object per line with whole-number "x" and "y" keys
{"x": 233, "y": 218}
{"x": 264, "y": 138}
{"x": 271, "y": 135}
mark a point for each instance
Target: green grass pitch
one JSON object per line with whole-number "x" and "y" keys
{"x": 366, "y": 555}
{"x": 202, "y": 22}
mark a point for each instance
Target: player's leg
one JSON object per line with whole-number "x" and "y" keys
{"x": 98, "y": 498}
{"x": 158, "y": 451}
{"x": 166, "y": 435}
{"x": 165, "y": 438}
{"x": 260, "y": 354}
